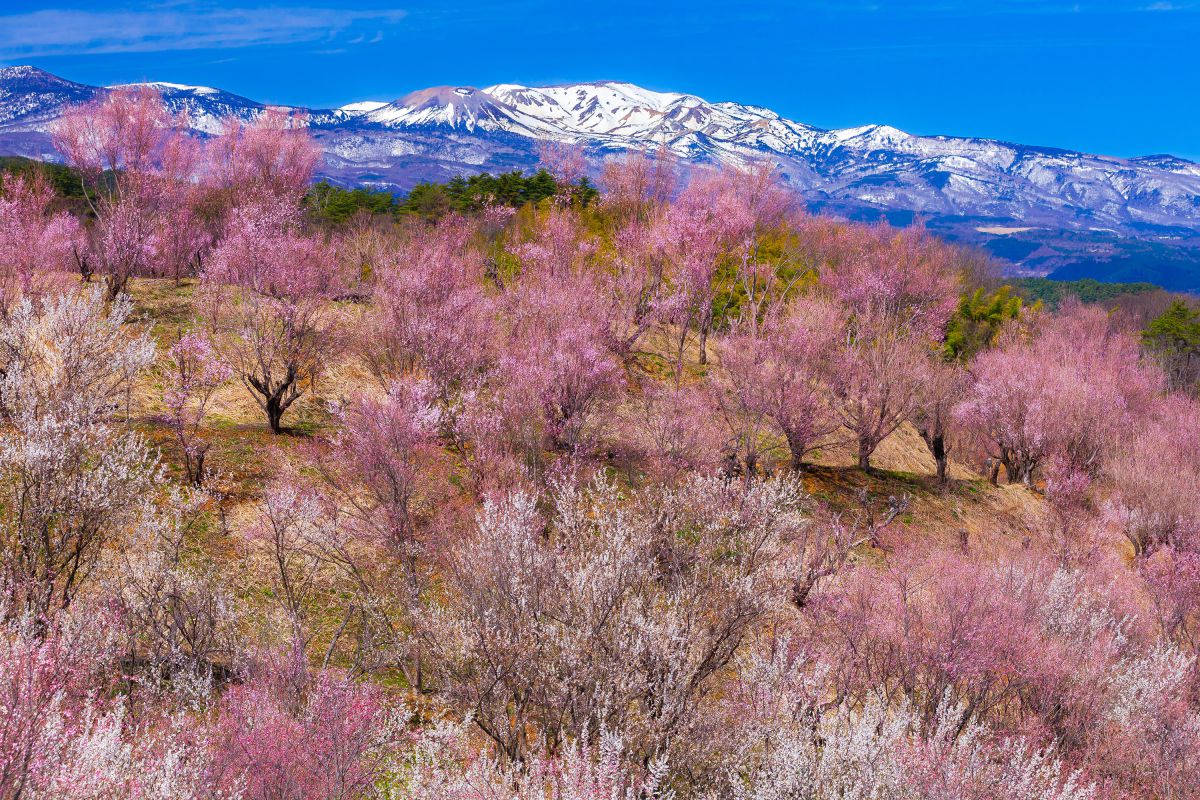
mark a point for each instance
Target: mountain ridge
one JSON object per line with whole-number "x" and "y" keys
{"x": 1068, "y": 204}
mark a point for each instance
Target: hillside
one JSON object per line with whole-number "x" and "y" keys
{"x": 245, "y": 455}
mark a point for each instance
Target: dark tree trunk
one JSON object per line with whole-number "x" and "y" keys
{"x": 85, "y": 269}
{"x": 797, "y": 450}
{"x": 936, "y": 442}
{"x": 197, "y": 467}
{"x": 751, "y": 469}
{"x": 1019, "y": 470}
{"x": 864, "y": 454}
{"x": 116, "y": 286}
{"x": 275, "y": 411}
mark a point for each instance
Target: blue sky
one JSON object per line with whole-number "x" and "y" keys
{"x": 1108, "y": 76}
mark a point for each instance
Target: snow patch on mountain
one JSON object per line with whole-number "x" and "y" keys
{"x": 362, "y": 107}
{"x": 173, "y": 87}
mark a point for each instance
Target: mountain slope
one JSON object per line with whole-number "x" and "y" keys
{"x": 1040, "y": 208}
{"x": 203, "y": 106}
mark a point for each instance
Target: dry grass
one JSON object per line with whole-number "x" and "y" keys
{"x": 245, "y": 454}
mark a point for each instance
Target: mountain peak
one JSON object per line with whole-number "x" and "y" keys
{"x": 437, "y": 95}
{"x": 168, "y": 87}
{"x": 25, "y": 75}
{"x": 1170, "y": 163}
{"x": 24, "y": 71}
{"x": 450, "y": 106}
{"x": 29, "y": 96}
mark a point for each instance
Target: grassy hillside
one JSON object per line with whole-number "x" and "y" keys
{"x": 246, "y": 455}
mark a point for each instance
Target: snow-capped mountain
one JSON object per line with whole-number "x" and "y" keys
{"x": 203, "y": 106}
{"x": 31, "y": 97}
{"x": 1036, "y": 206}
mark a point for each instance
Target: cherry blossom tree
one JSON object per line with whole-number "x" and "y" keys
{"x": 295, "y": 538}
{"x": 290, "y": 734}
{"x": 36, "y": 245}
{"x": 876, "y": 382}
{"x": 126, "y": 146}
{"x": 124, "y": 239}
{"x": 43, "y": 673}
{"x": 384, "y": 471}
{"x": 608, "y": 613}
{"x": 873, "y": 751}
{"x": 690, "y": 236}
{"x": 1024, "y": 646}
{"x": 1173, "y": 578}
{"x": 442, "y": 764}
{"x": 1065, "y": 389}
{"x": 827, "y": 544}
{"x": 790, "y": 380}
{"x": 635, "y": 287}
{"x": 899, "y": 289}
{"x": 430, "y": 317}
{"x": 1156, "y": 481}
{"x": 76, "y": 474}
{"x": 946, "y": 382}
{"x": 720, "y": 219}
{"x": 557, "y": 374}
{"x": 743, "y": 413}
{"x": 669, "y": 434}
{"x": 179, "y": 620}
{"x": 196, "y": 373}
{"x": 636, "y": 185}
{"x": 181, "y": 236}
{"x": 121, "y": 133}
{"x": 904, "y": 279}
{"x": 282, "y": 319}
{"x": 269, "y": 161}
{"x": 567, "y": 163}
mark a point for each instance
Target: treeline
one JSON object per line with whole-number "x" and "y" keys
{"x": 328, "y": 204}
{"x": 66, "y": 181}
{"x": 467, "y": 195}
{"x": 1086, "y": 290}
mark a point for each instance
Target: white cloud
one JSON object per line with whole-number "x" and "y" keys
{"x": 176, "y": 27}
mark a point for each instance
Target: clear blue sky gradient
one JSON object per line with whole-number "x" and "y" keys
{"x": 1109, "y": 76}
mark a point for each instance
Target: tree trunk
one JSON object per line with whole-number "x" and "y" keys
{"x": 751, "y": 469}
{"x": 85, "y": 269}
{"x": 679, "y": 356}
{"x": 1020, "y": 470}
{"x": 274, "y": 414}
{"x": 491, "y": 271}
{"x": 864, "y": 453}
{"x": 116, "y": 286}
{"x": 198, "y": 468}
{"x": 796, "y": 446}
{"x": 936, "y": 442}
